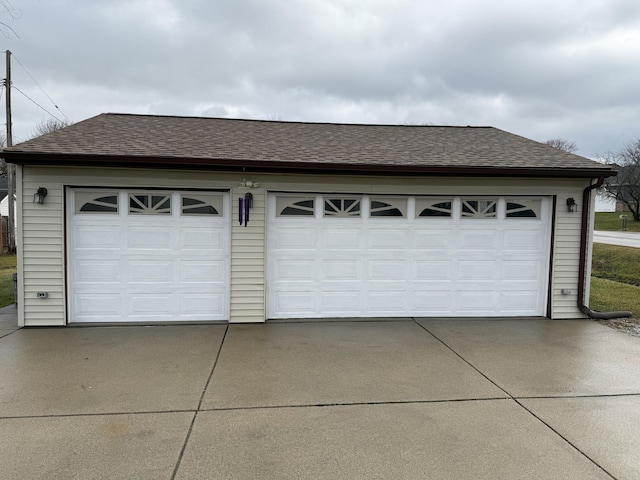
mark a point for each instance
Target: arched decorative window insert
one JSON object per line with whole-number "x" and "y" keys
{"x": 149, "y": 204}
{"x": 388, "y": 207}
{"x": 429, "y": 207}
{"x": 342, "y": 207}
{"x": 96, "y": 202}
{"x": 479, "y": 208}
{"x": 523, "y": 208}
{"x": 295, "y": 206}
{"x": 196, "y": 204}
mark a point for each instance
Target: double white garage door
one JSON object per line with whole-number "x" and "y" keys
{"x": 163, "y": 256}
{"x": 384, "y": 256}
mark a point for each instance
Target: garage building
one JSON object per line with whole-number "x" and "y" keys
{"x": 151, "y": 219}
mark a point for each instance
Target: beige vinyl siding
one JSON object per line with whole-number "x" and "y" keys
{"x": 247, "y": 259}
{"x": 567, "y": 256}
{"x": 42, "y": 244}
{"x": 43, "y": 231}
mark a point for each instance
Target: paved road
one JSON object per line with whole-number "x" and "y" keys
{"x": 624, "y": 239}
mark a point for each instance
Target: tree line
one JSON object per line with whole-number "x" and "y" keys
{"x": 625, "y": 186}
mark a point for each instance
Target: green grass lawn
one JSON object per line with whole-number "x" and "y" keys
{"x": 609, "y": 296}
{"x": 7, "y": 269}
{"x": 621, "y": 264}
{"x": 610, "y": 221}
{"x": 615, "y": 280}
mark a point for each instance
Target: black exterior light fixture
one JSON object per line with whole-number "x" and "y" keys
{"x": 572, "y": 206}
{"x": 38, "y": 197}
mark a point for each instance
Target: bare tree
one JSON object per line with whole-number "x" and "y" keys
{"x": 7, "y": 8}
{"x": 48, "y": 126}
{"x": 563, "y": 144}
{"x": 625, "y": 187}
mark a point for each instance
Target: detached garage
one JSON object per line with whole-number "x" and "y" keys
{"x": 151, "y": 219}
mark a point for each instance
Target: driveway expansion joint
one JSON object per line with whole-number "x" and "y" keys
{"x": 461, "y": 357}
{"x": 565, "y": 439}
{"x": 195, "y": 415}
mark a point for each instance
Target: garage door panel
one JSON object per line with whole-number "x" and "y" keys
{"x": 434, "y": 270}
{"x": 340, "y": 302}
{"x": 479, "y": 239}
{"x": 202, "y": 305}
{"x": 387, "y": 270}
{"x": 150, "y": 238}
{"x": 92, "y": 237}
{"x": 387, "y": 239}
{"x": 340, "y": 286}
{"x": 201, "y": 271}
{"x": 521, "y": 270}
{"x": 433, "y": 239}
{"x": 294, "y": 269}
{"x": 203, "y": 239}
{"x": 519, "y": 240}
{"x": 157, "y": 303}
{"x": 345, "y": 269}
{"x": 151, "y": 271}
{"x": 295, "y": 303}
{"x": 519, "y": 301}
{"x": 341, "y": 239}
{"x": 477, "y": 270}
{"x": 432, "y": 301}
{"x": 477, "y": 302}
{"x": 98, "y": 271}
{"x": 291, "y": 238}
{"x": 98, "y": 305}
{"x": 387, "y": 301}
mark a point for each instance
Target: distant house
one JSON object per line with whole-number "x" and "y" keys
{"x": 153, "y": 219}
{"x": 4, "y": 214}
{"x": 605, "y": 203}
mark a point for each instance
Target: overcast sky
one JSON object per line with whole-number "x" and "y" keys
{"x": 537, "y": 68}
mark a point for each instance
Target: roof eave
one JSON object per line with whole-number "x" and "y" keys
{"x": 274, "y": 166}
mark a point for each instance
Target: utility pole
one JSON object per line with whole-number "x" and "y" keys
{"x": 10, "y": 166}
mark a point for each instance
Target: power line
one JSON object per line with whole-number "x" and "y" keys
{"x": 37, "y": 104}
{"x": 42, "y": 89}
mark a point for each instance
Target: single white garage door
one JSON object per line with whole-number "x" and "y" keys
{"x": 147, "y": 256}
{"x": 387, "y": 256}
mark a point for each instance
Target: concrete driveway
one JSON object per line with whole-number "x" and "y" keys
{"x": 446, "y": 399}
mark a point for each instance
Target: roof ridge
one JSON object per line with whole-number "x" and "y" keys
{"x": 299, "y": 122}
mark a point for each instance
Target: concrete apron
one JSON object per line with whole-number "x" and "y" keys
{"x": 404, "y": 399}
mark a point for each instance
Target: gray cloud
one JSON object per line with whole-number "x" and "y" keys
{"x": 539, "y": 68}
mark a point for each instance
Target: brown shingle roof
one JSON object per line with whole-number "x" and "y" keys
{"x": 122, "y": 139}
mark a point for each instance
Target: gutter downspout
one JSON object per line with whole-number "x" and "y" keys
{"x": 586, "y": 202}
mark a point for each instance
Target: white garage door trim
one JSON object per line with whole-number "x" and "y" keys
{"x": 147, "y": 256}
{"x": 347, "y": 256}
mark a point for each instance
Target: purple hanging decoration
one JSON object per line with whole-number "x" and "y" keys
{"x": 248, "y": 199}
{"x": 240, "y": 205}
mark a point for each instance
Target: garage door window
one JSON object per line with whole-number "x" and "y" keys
{"x": 523, "y": 209}
{"x": 388, "y": 207}
{"x": 479, "y": 208}
{"x": 427, "y": 207}
{"x": 295, "y": 206}
{"x": 91, "y": 202}
{"x": 342, "y": 207}
{"x": 149, "y": 204}
{"x": 202, "y": 205}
